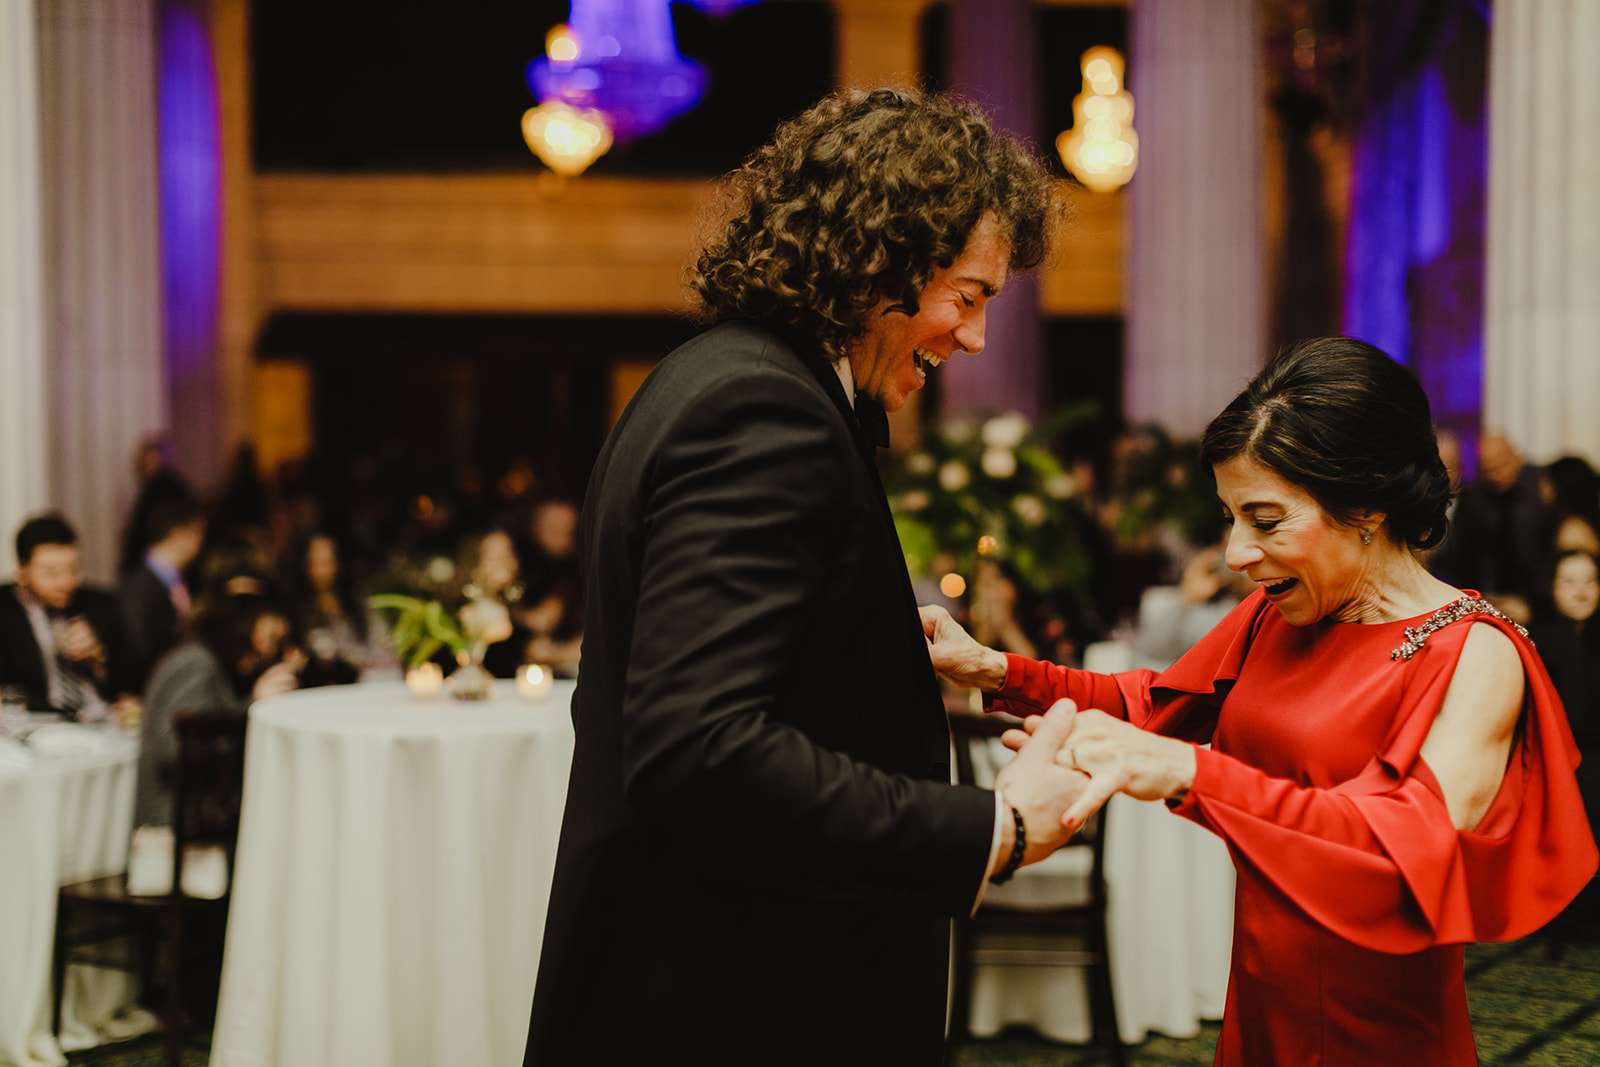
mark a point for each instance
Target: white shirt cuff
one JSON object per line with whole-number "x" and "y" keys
{"x": 1002, "y": 812}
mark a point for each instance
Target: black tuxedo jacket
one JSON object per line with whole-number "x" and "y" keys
{"x": 148, "y": 616}
{"x": 761, "y": 846}
{"x": 22, "y": 662}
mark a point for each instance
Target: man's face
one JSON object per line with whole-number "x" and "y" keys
{"x": 1498, "y": 462}
{"x": 53, "y": 574}
{"x": 890, "y": 360}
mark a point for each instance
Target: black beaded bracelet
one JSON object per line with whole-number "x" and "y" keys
{"x": 1017, "y": 849}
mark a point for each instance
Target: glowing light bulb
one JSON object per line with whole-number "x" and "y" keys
{"x": 561, "y": 44}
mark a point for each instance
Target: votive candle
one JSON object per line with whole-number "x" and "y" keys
{"x": 425, "y": 680}
{"x": 535, "y": 681}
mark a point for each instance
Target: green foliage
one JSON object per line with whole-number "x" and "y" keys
{"x": 992, "y": 488}
{"x": 419, "y": 628}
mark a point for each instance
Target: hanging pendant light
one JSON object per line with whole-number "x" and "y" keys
{"x": 567, "y": 140}
{"x": 624, "y": 64}
{"x": 1101, "y": 150}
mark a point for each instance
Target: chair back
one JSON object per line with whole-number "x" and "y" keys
{"x": 967, "y": 729}
{"x": 207, "y": 781}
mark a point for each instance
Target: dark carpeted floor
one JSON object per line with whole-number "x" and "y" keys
{"x": 1526, "y": 1010}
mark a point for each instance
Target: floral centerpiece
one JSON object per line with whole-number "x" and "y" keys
{"x": 421, "y": 627}
{"x": 992, "y": 489}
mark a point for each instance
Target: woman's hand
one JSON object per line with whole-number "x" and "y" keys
{"x": 281, "y": 677}
{"x": 1118, "y": 757}
{"x": 957, "y": 656}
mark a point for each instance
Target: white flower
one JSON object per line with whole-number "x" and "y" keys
{"x": 1005, "y": 431}
{"x": 959, "y": 431}
{"x": 1029, "y": 508}
{"x": 919, "y": 463}
{"x": 441, "y": 569}
{"x": 914, "y": 500}
{"x": 954, "y": 476}
{"x": 1061, "y": 486}
{"x": 485, "y": 620}
{"x": 999, "y": 462}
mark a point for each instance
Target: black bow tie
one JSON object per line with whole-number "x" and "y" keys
{"x": 872, "y": 422}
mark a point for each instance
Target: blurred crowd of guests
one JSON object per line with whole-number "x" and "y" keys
{"x": 256, "y": 592}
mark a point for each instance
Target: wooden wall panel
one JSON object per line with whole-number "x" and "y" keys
{"x": 508, "y": 244}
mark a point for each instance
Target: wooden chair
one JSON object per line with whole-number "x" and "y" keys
{"x": 1051, "y": 920}
{"x": 94, "y": 917}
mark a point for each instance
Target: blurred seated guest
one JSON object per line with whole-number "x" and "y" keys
{"x": 490, "y": 570}
{"x": 1173, "y": 618}
{"x": 1564, "y": 631}
{"x": 1502, "y": 528}
{"x": 1571, "y": 490}
{"x": 58, "y": 638}
{"x": 329, "y": 621}
{"x": 237, "y": 652}
{"x": 157, "y": 480}
{"x": 994, "y": 598}
{"x": 154, "y": 596}
{"x": 552, "y": 601}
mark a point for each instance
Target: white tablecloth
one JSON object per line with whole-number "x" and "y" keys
{"x": 392, "y": 875}
{"x": 1169, "y": 889}
{"x": 62, "y": 820}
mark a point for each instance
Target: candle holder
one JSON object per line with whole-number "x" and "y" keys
{"x": 425, "y": 681}
{"x": 534, "y": 682}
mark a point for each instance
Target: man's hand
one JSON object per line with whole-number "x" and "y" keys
{"x": 78, "y": 642}
{"x": 957, "y": 656}
{"x": 1039, "y": 787}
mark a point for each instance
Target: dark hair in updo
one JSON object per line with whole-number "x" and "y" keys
{"x": 859, "y": 199}
{"x": 1350, "y": 426}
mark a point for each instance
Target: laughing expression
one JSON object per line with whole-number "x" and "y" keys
{"x": 1309, "y": 566}
{"x": 891, "y": 359}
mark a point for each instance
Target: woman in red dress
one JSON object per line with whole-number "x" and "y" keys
{"x": 1389, "y": 763}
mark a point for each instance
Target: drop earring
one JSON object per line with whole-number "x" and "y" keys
{"x": 1366, "y": 537}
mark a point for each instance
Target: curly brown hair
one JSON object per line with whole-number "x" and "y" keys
{"x": 859, "y": 199}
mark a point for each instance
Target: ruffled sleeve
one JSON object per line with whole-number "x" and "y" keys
{"x": 1181, "y": 701}
{"x": 1376, "y": 859}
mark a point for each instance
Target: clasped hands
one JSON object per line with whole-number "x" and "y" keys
{"x": 1069, "y": 762}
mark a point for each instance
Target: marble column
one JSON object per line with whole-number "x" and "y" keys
{"x": 1194, "y": 280}
{"x": 1542, "y": 284}
{"x": 24, "y": 406}
{"x": 992, "y": 62}
{"x": 102, "y": 261}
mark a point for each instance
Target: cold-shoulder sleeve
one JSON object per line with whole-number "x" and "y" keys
{"x": 1181, "y": 701}
{"x": 1376, "y": 858}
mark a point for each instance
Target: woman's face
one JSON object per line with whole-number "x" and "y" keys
{"x": 497, "y": 562}
{"x": 322, "y": 563}
{"x": 268, "y": 636}
{"x": 1577, "y": 587}
{"x": 1310, "y": 567}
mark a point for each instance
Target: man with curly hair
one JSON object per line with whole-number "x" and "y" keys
{"x": 762, "y": 848}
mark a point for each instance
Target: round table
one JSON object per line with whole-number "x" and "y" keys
{"x": 392, "y": 875}
{"x": 62, "y": 819}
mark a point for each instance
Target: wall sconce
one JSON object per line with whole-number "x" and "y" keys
{"x": 1101, "y": 150}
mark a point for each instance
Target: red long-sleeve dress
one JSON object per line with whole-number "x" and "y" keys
{"x": 1355, "y": 891}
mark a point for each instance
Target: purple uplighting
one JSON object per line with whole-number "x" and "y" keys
{"x": 1415, "y": 243}
{"x": 191, "y": 196}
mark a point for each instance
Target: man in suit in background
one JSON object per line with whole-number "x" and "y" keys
{"x": 762, "y": 849}
{"x": 154, "y": 596}
{"x": 60, "y": 640}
